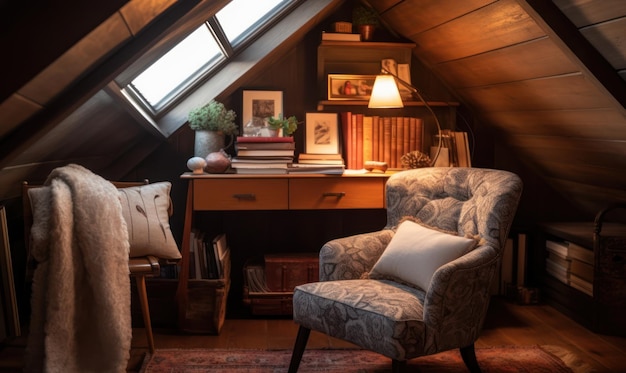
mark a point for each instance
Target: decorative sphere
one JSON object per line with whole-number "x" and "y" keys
{"x": 196, "y": 164}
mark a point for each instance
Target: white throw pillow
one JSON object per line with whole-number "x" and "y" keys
{"x": 416, "y": 252}
{"x": 146, "y": 211}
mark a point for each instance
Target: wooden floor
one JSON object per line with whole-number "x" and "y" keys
{"x": 506, "y": 324}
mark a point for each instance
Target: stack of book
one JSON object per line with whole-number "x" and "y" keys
{"x": 571, "y": 264}
{"x": 207, "y": 255}
{"x": 318, "y": 163}
{"x": 265, "y": 155}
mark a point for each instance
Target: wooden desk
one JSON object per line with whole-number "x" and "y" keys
{"x": 233, "y": 192}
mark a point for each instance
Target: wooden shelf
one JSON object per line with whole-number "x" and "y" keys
{"x": 321, "y": 104}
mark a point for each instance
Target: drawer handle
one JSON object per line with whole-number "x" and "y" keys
{"x": 334, "y": 194}
{"x": 245, "y": 196}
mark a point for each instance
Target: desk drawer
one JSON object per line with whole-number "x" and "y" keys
{"x": 336, "y": 193}
{"x": 240, "y": 194}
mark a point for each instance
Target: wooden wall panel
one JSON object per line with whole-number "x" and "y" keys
{"x": 606, "y": 154}
{"x": 411, "y": 17}
{"x": 598, "y": 124}
{"x": 498, "y": 25}
{"x": 572, "y": 91}
{"x": 534, "y": 59}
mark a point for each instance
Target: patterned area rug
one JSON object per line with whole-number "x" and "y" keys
{"x": 502, "y": 359}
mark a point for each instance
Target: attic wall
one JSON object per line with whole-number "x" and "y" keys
{"x": 555, "y": 118}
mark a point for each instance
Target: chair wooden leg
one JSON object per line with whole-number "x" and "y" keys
{"x": 145, "y": 310}
{"x": 298, "y": 348}
{"x": 398, "y": 366}
{"x": 469, "y": 358}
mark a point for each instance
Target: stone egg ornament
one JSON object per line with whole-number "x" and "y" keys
{"x": 196, "y": 164}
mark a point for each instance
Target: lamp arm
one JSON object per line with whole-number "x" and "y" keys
{"x": 415, "y": 92}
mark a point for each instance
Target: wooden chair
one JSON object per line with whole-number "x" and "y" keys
{"x": 139, "y": 267}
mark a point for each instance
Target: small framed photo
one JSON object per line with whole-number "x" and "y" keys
{"x": 257, "y": 107}
{"x": 350, "y": 87}
{"x": 322, "y": 133}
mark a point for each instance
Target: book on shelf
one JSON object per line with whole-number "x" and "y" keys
{"x": 340, "y": 36}
{"x": 559, "y": 260}
{"x": 316, "y": 169}
{"x": 220, "y": 248}
{"x": 521, "y": 259}
{"x": 321, "y": 161}
{"x": 581, "y": 284}
{"x": 265, "y": 152}
{"x": 259, "y": 171}
{"x": 581, "y": 253}
{"x": 582, "y": 269}
{"x": 261, "y": 139}
{"x": 377, "y": 138}
{"x": 264, "y": 145}
{"x": 258, "y": 163}
{"x": 336, "y": 156}
{"x": 557, "y": 271}
{"x": 560, "y": 248}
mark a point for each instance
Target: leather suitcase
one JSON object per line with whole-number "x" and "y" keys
{"x": 283, "y": 272}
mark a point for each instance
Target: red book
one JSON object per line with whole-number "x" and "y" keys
{"x": 346, "y": 131}
{"x": 359, "y": 141}
{"x": 263, "y": 139}
{"x": 353, "y": 145}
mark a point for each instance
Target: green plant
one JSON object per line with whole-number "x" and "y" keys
{"x": 213, "y": 117}
{"x": 362, "y": 15}
{"x": 289, "y": 125}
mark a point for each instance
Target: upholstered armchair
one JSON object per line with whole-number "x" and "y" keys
{"x": 421, "y": 284}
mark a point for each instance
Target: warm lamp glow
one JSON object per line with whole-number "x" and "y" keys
{"x": 385, "y": 93}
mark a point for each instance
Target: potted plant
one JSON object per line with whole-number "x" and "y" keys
{"x": 365, "y": 19}
{"x": 212, "y": 122}
{"x": 287, "y": 125}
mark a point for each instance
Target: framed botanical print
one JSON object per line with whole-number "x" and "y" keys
{"x": 322, "y": 133}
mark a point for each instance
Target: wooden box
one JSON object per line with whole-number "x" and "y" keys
{"x": 283, "y": 272}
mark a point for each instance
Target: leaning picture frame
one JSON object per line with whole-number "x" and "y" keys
{"x": 350, "y": 87}
{"x": 257, "y": 107}
{"x": 322, "y": 133}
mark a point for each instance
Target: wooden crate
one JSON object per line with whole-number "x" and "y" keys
{"x": 283, "y": 272}
{"x": 206, "y": 305}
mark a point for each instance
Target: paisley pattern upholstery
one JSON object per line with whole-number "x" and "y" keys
{"x": 403, "y": 322}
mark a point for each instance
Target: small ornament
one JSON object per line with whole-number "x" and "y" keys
{"x": 217, "y": 162}
{"x": 415, "y": 159}
{"x": 196, "y": 165}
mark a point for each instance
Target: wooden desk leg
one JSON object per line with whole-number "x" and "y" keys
{"x": 181, "y": 291}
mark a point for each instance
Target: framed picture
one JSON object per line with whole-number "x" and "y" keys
{"x": 350, "y": 87}
{"x": 257, "y": 107}
{"x": 322, "y": 133}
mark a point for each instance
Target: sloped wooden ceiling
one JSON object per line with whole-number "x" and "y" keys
{"x": 515, "y": 64}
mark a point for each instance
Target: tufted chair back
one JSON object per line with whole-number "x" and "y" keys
{"x": 400, "y": 319}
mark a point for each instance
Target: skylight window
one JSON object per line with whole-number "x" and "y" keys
{"x": 240, "y": 17}
{"x": 202, "y": 51}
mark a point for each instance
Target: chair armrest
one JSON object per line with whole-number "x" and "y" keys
{"x": 456, "y": 302}
{"x": 144, "y": 265}
{"x": 349, "y": 257}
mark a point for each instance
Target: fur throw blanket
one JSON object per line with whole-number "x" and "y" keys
{"x": 80, "y": 317}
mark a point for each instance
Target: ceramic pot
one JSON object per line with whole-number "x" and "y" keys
{"x": 207, "y": 142}
{"x": 367, "y": 32}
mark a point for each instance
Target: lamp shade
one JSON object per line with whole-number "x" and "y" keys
{"x": 385, "y": 93}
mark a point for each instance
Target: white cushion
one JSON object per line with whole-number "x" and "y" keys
{"x": 416, "y": 252}
{"x": 146, "y": 211}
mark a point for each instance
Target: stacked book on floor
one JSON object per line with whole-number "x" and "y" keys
{"x": 263, "y": 155}
{"x": 571, "y": 264}
{"x": 318, "y": 163}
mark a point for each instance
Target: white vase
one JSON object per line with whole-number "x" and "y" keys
{"x": 207, "y": 142}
